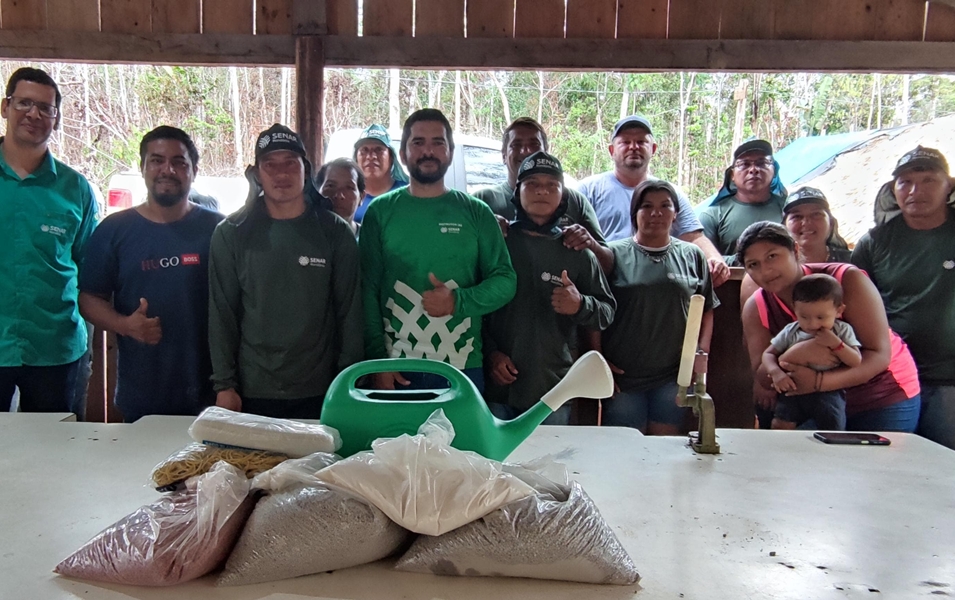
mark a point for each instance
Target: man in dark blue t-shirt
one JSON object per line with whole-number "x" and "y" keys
{"x": 145, "y": 277}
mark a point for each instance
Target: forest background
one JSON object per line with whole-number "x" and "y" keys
{"x": 698, "y": 118}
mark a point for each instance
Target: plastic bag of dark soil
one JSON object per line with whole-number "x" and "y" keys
{"x": 304, "y": 526}
{"x": 178, "y": 538}
{"x": 558, "y": 534}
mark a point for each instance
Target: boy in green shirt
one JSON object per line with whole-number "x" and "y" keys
{"x": 531, "y": 342}
{"x": 440, "y": 268}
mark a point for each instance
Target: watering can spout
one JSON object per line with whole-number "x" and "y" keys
{"x": 589, "y": 377}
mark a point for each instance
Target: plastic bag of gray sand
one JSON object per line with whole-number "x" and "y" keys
{"x": 544, "y": 536}
{"x": 310, "y": 529}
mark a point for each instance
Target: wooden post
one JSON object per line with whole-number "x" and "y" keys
{"x": 310, "y": 87}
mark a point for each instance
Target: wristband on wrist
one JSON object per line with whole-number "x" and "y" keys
{"x": 841, "y": 345}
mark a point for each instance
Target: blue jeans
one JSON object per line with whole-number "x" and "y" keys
{"x": 902, "y": 417}
{"x": 637, "y": 408}
{"x": 506, "y": 412}
{"x": 937, "y": 419}
{"x": 430, "y": 381}
{"x": 42, "y": 389}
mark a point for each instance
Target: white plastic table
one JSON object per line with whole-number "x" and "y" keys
{"x": 777, "y": 515}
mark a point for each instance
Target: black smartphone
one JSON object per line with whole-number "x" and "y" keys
{"x": 848, "y": 437}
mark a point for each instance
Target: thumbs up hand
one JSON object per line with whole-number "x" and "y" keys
{"x": 438, "y": 302}
{"x": 142, "y": 328}
{"x": 566, "y": 299}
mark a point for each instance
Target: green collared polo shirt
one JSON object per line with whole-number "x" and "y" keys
{"x": 45, "y": 219}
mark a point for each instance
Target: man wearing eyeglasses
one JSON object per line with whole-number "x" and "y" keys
{"x": 379, "y": 165}
{"x": 47, "y": 212}
{"x": 751, "y": 192}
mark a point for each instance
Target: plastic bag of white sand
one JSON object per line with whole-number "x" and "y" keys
{"x": 424, "y": 484}
{"x": 178, "y": 538}
{"x": 546, "y": 536}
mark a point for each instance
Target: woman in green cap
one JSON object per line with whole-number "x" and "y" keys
{"x": 379, "y": 164}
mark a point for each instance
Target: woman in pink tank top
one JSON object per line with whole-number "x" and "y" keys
{"x": 882, "y": 393}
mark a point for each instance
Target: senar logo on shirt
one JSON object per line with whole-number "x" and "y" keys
{"x": 450, "y": 227}
{"x": 550, "y": 277}
{"x": 311, "y": 261}
{"x": 53, "y": 229}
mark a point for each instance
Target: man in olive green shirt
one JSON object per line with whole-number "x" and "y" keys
{"x": 910, "y": 257}
{"x": 47, "y": 212}
{"x": 523, "y": 137}
{"x": 284, "y": 302}
{"x": 751, "y": 192}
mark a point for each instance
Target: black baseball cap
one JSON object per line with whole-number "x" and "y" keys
{"x": 278, "y": 137}
{"x": 761, "y": 146}
{"x": 629, "y": 123}
{"x": 540, "y": 162}
{"x": 928, "y": 159}
{"x": 805, "y": 195}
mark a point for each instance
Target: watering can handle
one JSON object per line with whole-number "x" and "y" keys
{"x": 456, "y": 378}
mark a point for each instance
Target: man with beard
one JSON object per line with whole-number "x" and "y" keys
{"x": 580, "y": 230}
{"x": 632, "y": 147}
{"x": 751, "y": 192}
{"x": 145, "y": 276}
{"x": 47, "y": 213}
{"x": 284, "y": 301}
{"x": 379, "y": 165}
{"x": 433, "y": 263}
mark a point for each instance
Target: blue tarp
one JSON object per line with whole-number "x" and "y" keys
{"x": 809, "y": 157}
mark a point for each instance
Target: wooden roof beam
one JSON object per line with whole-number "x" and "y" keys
{"x": 487, "y": 54}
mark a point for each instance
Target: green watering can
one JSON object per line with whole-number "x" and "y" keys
{"x": 362, "y": 416}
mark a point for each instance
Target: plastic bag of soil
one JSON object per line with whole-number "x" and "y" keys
{"x": 424, "y": 484}
{"x": 196, "y": 459}
{"x": 177, "y": 538}
{"x": 304, "y": 527}
{"x": 558, "y": 536}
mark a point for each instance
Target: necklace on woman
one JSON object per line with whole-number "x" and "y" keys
{"x": 656, "y": 255}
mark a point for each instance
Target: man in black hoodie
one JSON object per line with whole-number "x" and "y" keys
{"x": 284, "y": 304}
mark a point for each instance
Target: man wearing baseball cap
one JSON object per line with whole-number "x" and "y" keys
{"x": 379, "y": 165}
{"x": 751, "y": 192}
{"x": 910, "y": 256}
{"x": 523, "y": 137}
{"x": 528, "y": 349}
{"x": 632, "y": 146}
{"x": 284, "y": 298}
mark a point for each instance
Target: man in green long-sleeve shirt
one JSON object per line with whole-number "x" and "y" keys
{"x": 285, "y": 309}
{"x": 531, "y": 342}
{"x": 433, "y": 263}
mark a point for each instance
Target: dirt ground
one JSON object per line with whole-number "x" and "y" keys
{"x": 851, "y": 185}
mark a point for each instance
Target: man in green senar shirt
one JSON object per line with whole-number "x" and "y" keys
{"x": 581, "y": 231}
{"x": 47, "y": 213}
{"x": 532, "y": 341}
{"x": 284, "y": 300}
{"x": 441, "y": 266}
